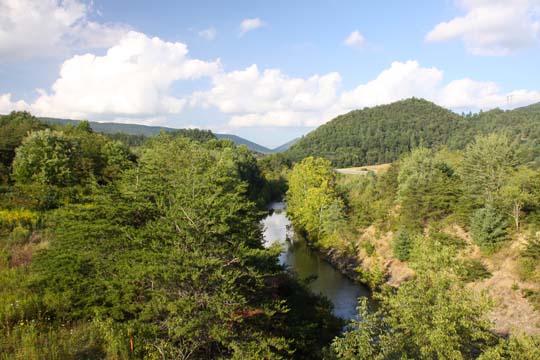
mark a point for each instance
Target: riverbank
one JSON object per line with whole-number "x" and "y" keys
{"x": 324, "y": 274}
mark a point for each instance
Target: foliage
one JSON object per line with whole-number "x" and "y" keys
{"x": 46, "y": 157}
{"x": 13, "y": 129}
{"x": 522, "y": 190}
{"x": 379, "y": 134}
{"x": 312, "y": 203}
{"x": 401, "y": 245}
{"x": 472, "y": 270}
{"x": 517, "y": 347}
{"x": 194, "y": 134}
{"x": 488, "y": 229}
{"x": 18, "y": 217}
{"x": 167, "y": 257}
{"x": 442, "y": 320}
{"x": 382, "y": 134}
{"x": 427, "y": 187}
{"x": 487, "y": 165}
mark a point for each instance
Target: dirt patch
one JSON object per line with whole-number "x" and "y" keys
{"x": 396, "y": 271}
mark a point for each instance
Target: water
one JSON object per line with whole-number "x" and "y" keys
{"x": 298, "y": 257}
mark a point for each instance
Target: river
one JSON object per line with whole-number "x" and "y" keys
{"x": 305, "y": 262}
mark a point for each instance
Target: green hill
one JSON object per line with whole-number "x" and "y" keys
{"x": 379, "y": 134}
{"x": 382, "y": 133}
{"x": 285, "y": 146}
{"x": 135, "y": 129}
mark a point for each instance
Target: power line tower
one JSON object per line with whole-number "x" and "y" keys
{"x": 509, "y": 100}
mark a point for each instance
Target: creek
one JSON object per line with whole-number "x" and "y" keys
{"x": 306, "y": 263}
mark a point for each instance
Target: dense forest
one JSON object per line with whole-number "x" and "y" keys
{"x": 382, "y": 133}
{"x": 108, "y": 251}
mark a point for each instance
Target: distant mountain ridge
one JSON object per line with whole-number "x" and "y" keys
{"x": 136, "y": 129}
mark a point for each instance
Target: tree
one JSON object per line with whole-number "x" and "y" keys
{"x": 427, "y": 187}
{"x": 13, "y": 129}
{"x": 433, "y": 316}
{"x": 487, "y": 165}
{"x": 402, "y": 245}
{"x": 488, "y": 228}
{"x": 46, "y": 157}
{"x": 311, "y": 197}
{"x": 522, "y": 189}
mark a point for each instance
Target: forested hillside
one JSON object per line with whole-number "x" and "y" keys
{"x": 448, "y": 240}
{"x": 147, "y": 131}
{"x": 382, "y": 133}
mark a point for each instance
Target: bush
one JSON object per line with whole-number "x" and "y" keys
{"x": 527, "y": 269}
{"x": 473, "y": 269}
{"x": 532, "y": 250}
{"x": 368, "y": 247}
{"x": 10, "y": 219}
{"x": 448, "y": 240}
{"x": 18, "y": 236}
{"x": 488, "y": 229}
{"x": 401, "y": 245}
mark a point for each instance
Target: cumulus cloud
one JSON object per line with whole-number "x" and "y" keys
{"x": 37, "y": 28}
{"x": 248, "y": 25}
{"x": 401, "y": 80}
{"x": 407, "y": 79}
{"x": 133, "y": 78}
{"x": 7, "y": 106}
{"x": 355, "y": 40}
{"x": 270, "y": 97}
{"x": 256, "y": 98}
{"x": 492, "y": 27}
{"x": 208, "y": 34}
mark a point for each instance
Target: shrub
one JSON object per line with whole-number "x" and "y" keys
{"x": 401, "y": 245}
{"x": 532, "y": 250}
{"x": 527, "y": 269}
{"x": 10, "y": 219}
{"x": 473, "y": 269}
{"x": 368, "y": 247}
{"x": 448, "y": 240}
{"x": 488, "y": 229}
{"x": 18, "y": 235}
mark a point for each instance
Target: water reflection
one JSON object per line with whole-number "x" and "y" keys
{"x": 341, "y": 291}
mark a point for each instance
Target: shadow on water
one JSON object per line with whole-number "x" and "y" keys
{"x": 307, "y": 264}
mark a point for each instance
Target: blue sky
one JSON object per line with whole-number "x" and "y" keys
{"x": 294, "y": 66}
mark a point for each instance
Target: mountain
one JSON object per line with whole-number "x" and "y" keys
{"x": 135, "y": 129}
{"x": 381, "y": 134}
{"x": 241, "y": 141}
{"x": 285, "y": 146}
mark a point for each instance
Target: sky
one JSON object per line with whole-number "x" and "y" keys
{"x": 269, "y": 71}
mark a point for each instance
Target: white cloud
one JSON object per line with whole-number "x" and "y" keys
{"x": 493, "y": 27}
{"x": 270, "y": 97}
{"x": 408, "y": 79}
{"x": 470, "y": 94}
{"x": 208, "y": 34}
{"x": 255, "y": 98}
{"x": 7, "y": 106}
{"x": 250, "y": 24}
{"x": 37, "y": 28}
{"x": 133, "y": 78}
{"x": 149, "y": 121}
{"x": 401, "y": 80}
{"x": 355, "y": 40}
